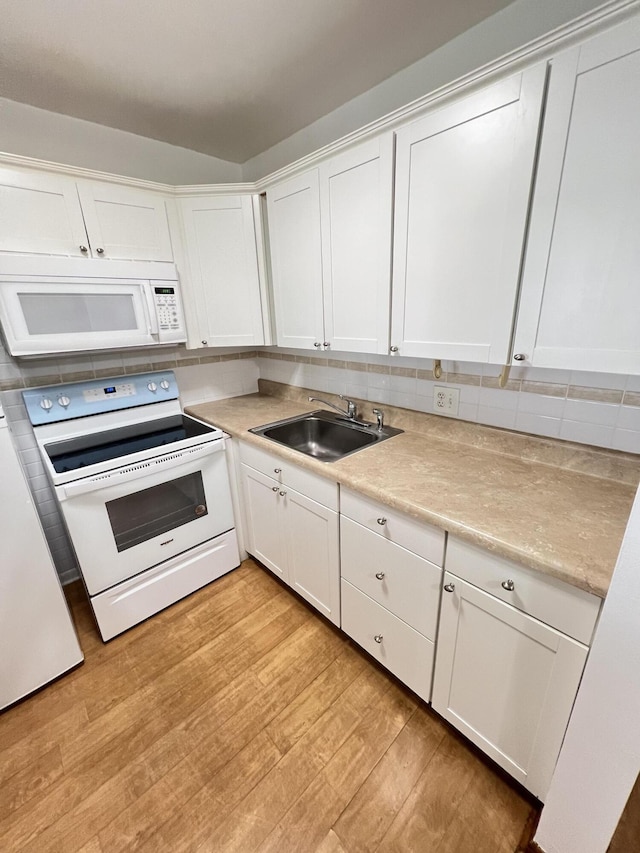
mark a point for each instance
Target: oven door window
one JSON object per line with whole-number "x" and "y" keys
{"x": 143, "y": 515}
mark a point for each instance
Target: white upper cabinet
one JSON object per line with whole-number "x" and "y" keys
{"x": 125, "y": 223}
{"x": 580, "y": 305}
{"x": 55, "y": 215}
{"x": 356, "y": 197}
{"x": 294, "y": 238}
{"x": 40, "y": 214}
{"x": 220, "y": 242}
{"x": 463, "y": 184}
{"x": 330, "y": 238}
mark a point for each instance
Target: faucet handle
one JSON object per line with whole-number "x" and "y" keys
{"x": 380, "y": 416}
{"x": 352, "y": 407}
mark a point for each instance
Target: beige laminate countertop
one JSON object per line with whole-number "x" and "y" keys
{"x": 564, "y": 523}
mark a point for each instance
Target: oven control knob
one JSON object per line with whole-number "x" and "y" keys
{"x": 63, "y": 401}
{"x": 152, "y": 386}
{"x": 46, "y": 403}
{"x": 164, "y": 385}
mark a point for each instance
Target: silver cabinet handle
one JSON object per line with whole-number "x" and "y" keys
{"x": 449, "y": 587}
{"x": 274, "y": 488}
{"x": 277, "y": 470}
{"x": 393, "y": 349}
{"x": 381, "y": 521}
{"x": 100, "y": 251}
{"x": 519, "y": 356}
{"x": 380, "y": 576}
{"x": 378, "y": 638}
{"x": 204, "y": 343}
{"x": 282, "y": 494}
{"x": 326, "y": 344}
{"x": 508, "y": 585}
{"x": 84, "y": 250}
{"x": 317, "y": 345}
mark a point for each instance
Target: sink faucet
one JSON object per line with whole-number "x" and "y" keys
{"x": 352, "y": 409}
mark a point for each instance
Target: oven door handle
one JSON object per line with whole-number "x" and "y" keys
{"x": 138, "y": 470}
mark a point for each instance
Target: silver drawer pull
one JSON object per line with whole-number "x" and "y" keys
{"x": 274, "y": 488}
{"x": 449, "y": 587}
{"x": 508, "y": 585}
{"x": 381, "y": 520}
{"x": 378, "y": 638}
{"x": 277, "y": 470}
{"x": 283, "y": 494}
{"x": 380, "y": 576}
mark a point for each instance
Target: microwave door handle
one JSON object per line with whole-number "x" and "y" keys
{"x": 150, "y": 310}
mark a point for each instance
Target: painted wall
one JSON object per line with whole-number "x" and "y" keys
{"x": 600, "y": 757}
{"x": 33, "y": 132}
{"x": 514, "y": 26}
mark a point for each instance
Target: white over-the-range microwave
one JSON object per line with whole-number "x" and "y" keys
{"x": 50, "y": 305}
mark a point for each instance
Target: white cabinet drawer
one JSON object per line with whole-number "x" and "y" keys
{"x": 403, "y": 651}
{"x": 564, "y": 607}
{"x": 407, "y": 585}
{"x": 423, "y": 539}
{"x": 317, "y": 488}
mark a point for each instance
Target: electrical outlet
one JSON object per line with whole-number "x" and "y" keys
{"x": 445, "y": 400}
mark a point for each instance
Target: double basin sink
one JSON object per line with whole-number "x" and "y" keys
{"x": 323, "y": 435}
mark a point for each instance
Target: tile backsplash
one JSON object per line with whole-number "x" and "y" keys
{"x": 590, "y": 408}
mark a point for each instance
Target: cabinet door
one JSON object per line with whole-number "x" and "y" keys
{"x": 220, "y": 242}
{"x": 294, "y": 238}
{"x": 265, "y": 536}
{"x": 463, "y": 181}
{"x": 313, "y": 553}
{"x": 125, "y": 223}
{"x": 40, "y": 214}
{"x": 356, "y": 211}
{"x": 580, "y": 296}
{"x": 506, "y": 681}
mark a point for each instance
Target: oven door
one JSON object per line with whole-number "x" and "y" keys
{"x": 124, "y": 521}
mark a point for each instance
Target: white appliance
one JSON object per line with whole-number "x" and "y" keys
{"x": 143, "y": 490}
{"x": 37, "y": 636}
{"x": 57, "y": 305}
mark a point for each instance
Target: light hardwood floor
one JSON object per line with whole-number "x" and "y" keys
{"x": 238, "y": 720}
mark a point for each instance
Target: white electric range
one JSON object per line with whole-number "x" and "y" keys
{"x": 143, "y": 490}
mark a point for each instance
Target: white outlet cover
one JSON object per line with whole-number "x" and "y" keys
{"x": 446, "y": 400}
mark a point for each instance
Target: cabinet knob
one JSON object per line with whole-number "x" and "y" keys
{"x": 393, "y": 349}
{"x": 100, "y": 251}
{"x": 277, "y": 470}
{"x": 282, "y": 494}
{"x": 378, "y": 638}
{"x": 317, "y": 345}
{"x": 508, "y": 585}
{"x": 204, "y": 343}
{"x": 274, "y": 488}
{"x": 449, "y": 587}
{"x": 380, "y": 576}
{"x": 381, "y": 521}
{"x": 326, "y": 344}
{"x": 84, "y": 250}
{"x": 519, "y": 356}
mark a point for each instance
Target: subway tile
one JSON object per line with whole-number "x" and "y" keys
{"x": 402, "y": 399}
{"x": 469, "y": 394}
{"x": 538, "y": 424}
{"x": 403, "y": 384}
{"x": 633, "y": 383}
{"x": 631, "y": 398}
{"x": 494, "y": 382}
{"x": 629, "y": 418}
{"x": 627, "y": 440}
{"x": 587, "y": 433}
{"x": 588, "y": 411}
{"x": 539, "y": 404}
{"x": 496, "y": 417}
{"x": 598, "y": 395}
{"x": 402, "y": 371}
{"x": 591, "y": 379}
{"x": 468, "y": 411}
{"x": 379, "y": 380}
{"x": 424, "y": 387}
{"x": 463, "y": 379}
{"x": 548, "y": 389}
{"x": 498, "y": 398}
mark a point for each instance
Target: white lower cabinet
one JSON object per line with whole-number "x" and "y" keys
{"x": 505, "y": 679}
{"x": 390, "y": 591}
{"x": 291, "y": 532}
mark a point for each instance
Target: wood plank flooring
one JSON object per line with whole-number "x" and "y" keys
{"x": 238, "y": 720}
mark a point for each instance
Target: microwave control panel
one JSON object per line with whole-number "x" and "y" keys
{"x": 167, "y": 307}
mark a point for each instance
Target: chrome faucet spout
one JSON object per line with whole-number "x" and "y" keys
{"x": 351, "y": 412}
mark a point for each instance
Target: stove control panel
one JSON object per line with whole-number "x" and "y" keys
{"x": 96, "y": 396}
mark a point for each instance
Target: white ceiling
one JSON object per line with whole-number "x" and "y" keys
{"x": 228, "y": 78}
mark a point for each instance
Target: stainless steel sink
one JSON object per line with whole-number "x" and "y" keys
{"x": 323, "y": 435}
